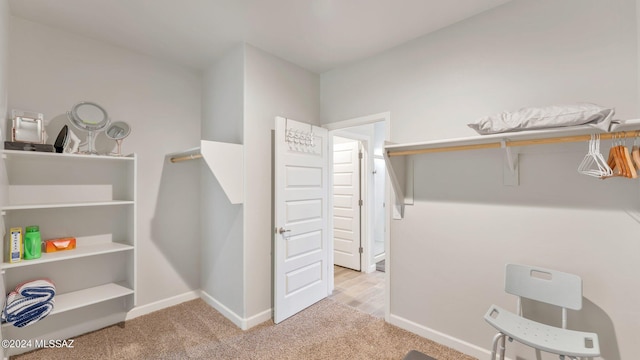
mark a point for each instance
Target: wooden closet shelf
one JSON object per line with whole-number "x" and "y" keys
{"x": 628, "y": 129}
{"x": 400, "y": 167}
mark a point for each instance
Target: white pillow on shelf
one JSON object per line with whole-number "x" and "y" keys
{"x": 536, "y": 118}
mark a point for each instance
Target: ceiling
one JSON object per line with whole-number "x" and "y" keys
{"x": 318, "y": 35}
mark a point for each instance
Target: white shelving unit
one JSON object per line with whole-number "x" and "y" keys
{"x": 91, "y": 198}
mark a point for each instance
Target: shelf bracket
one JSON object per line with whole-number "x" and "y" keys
{"x": 510, "y": 171}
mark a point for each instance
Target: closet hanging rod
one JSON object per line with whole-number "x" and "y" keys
{"x": 515, "y": 143}
{"x": 185, "y": 158}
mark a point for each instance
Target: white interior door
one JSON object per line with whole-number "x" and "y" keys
{"x": 300, "y": 202}
{"x": 346, "y": 203}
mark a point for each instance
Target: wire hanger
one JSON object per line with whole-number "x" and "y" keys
{"x": 593, "y": 163}
{"x": 607, "y": 171}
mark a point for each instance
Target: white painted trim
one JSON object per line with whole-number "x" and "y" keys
{"x": 222, "y": 309}
{"x": 161, "y": 304}
{"x": 441, "y": 338}
{"x": 387, "y": 245}
{"x": 242, "y": 323}
{"x": 257, "y": 319}
{"x": 330, "y": 259}
{"x": 371, "y": 268}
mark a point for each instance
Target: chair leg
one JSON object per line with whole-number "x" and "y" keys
{"x": 495, "y": 345}
{"x": 502, "y": 347}
{"x": 498, "y": 338}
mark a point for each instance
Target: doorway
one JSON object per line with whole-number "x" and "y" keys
{"x": 358, "y": 196}
{"x": 303, "y": 197}
{"x": 370, "y": 133}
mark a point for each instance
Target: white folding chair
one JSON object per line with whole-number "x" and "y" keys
{"x": 547, "y": 286}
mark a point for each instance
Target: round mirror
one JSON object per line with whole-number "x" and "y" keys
{"x": 90, "y": 117}
{"x": 118, "y": 131}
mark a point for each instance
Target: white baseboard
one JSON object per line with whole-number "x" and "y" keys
{"x": 222, "y": 309}
{"x": 258, "y": 319}
{"x": 441, "y": 338}
{"x": 371, "y": 268}
{"x": 242, "y": 323}
{"x": 161, "y": 304}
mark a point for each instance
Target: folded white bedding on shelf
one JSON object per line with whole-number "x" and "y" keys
{"x": 29, "y": 302}
{"x": 535, "y": 118}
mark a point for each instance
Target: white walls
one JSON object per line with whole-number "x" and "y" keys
{"x": 273, "y": 87}
{"x": 448, "y": 254}
{"x": 524, "y": 53}
{"x": 243, "y": 93}
{"x": 222, "y": 222}
{"x": 52, "y": 69}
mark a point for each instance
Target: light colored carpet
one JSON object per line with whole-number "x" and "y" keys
{"x": 194, "y": 330}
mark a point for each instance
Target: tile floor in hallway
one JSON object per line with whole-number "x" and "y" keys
{"x": 360, "y": 290}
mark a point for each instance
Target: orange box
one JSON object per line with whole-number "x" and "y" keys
{"x": 53, "y": 245}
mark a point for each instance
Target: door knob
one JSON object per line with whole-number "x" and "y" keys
{"x": 282, "y": 230}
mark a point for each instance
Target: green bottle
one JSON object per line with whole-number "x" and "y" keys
{"x": 32, "y": 243}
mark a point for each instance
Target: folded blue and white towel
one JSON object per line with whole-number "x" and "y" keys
{"x": 29, "y": 302}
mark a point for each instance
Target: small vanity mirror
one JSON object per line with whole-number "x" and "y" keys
{"x": 118, "y": 131}
{"x": 90, "y": 117}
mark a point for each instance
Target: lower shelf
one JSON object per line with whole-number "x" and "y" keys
{"x": 86, "y": 297}
{"x": 81, "y": 251}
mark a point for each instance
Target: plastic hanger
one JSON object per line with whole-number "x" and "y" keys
{"x": 593, "y": 163}
{"x": 607, "y": 171}
{"x": 585, "y": 166}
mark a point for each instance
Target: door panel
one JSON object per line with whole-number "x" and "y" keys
{"x": 298, "y": 176}
{"x": 304, "y": 244}
{"x": 346, "y": 208}
{"x": 300, "y": 201}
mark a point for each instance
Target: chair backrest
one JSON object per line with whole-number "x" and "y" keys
{"x": 548, "y": 286}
